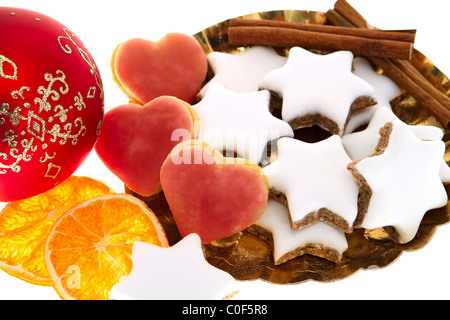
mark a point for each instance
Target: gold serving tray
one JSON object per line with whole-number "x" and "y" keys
{"x": 247, "y": 257}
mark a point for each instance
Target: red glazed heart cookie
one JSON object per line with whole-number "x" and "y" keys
{"x": 212, "y": 195}
{"x": 136, "y": 139}
{"x": 175, "y": 65}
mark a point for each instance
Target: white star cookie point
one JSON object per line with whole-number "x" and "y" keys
{"x": 243, "y": 72}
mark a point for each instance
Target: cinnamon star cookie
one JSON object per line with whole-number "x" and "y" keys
{"x": 400, "y": 182}
{"x": 318, "y": 89}
{"x": 312, "y": 180}
{"x": 239, "y": 122}
{"x": 178, "y": 272}
{"x": 363, "y": 143}
{"x": 319, "y": 239}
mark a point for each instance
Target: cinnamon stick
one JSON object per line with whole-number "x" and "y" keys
{"x": 419, "y": 78}
{"x": 288, "y": 37}
{"x": 418, "y": 89}
{"x": 400, "y": 71}
{"x": 400, "y": 35}
{"x": 336, "y": 19}
{"x": 353, "y": 16}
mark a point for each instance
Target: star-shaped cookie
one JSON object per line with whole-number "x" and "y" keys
{"x": 363, "y": 143}
{"x": 318, "y": 89}
{"x": 243, "y": 72}
{"x": 314, "y": 180}
{"x": 178, "y": 272}
{"x": 400, "y": 182}
{"x": 385, "y": 90}
{"x": 319, "y": 239}
{"x": 239, "y": 122}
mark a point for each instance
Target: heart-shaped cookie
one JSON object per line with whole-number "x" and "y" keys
{"x": 211, "y": 195}
{"x": 175, "y": 65}
{"x": 135, "y": 140}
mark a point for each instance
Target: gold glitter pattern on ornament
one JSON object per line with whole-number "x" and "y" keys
{"x": 47, "y": 157}
{"x": 99, "y": 128}
{"x": 52, "y": 171}
{"x": 4, "y": 74}
{"x": 16, "y": 94}
{"x": 67, "y": 49}
{"x": 49, "y": 92}
{"x": 91, "y": 93}
{"x": 37, "y": 129}
{"x": 36, "y": 126}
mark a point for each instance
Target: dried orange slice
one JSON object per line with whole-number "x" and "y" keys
{"x": 89, "y": 248}
{"x": 25, "y": 224}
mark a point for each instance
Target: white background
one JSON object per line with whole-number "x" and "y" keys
{"x": 101, "y": 25}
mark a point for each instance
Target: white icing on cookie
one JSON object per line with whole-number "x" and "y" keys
{"x": 285, "y": 240}
{"x": 436, "y": 134}
{"x": 405, "y": 182}
{"x": 427, "y": 132}
{"x": 444, "y": 173}
{"x": 363, "y": 143}
{"x": 314, "y": 176}
{"x": 385, "y": 89}
{"x": 243, "y": 72}
{"x": 239, "y": 122}
{"x": 312, "y": 84}
{"x": 178, "y": 272}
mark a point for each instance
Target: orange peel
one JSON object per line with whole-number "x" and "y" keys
{"x": 25, "y": 224}
{"x": 89, "y": 247}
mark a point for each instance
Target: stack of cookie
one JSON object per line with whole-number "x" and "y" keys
{"x": 368, "y": 170}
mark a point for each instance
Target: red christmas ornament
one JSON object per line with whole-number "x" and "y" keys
{"x": 51, "y": 103}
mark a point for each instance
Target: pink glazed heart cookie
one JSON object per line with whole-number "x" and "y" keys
{"x": 135, "y": 140}
{"x": 212, "y": 195}
{"x": 175, "y": 65}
